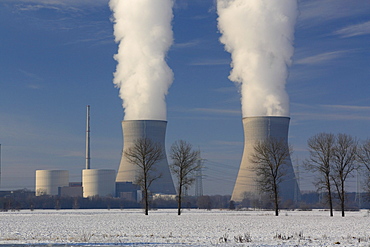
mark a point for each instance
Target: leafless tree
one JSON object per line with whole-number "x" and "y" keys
{"x": 270, "y": 158}
{"x": 344, "y": 163}
{"x": 321, "y": 152}
{"x": 184, "y": 165}
{"x": 145, "y": 155}
{"x": 364, "y": 159}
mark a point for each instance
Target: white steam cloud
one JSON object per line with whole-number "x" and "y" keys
{"x": 259, "y": 35}
{"x": 144, "y": 33}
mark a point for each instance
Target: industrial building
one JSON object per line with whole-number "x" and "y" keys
{"x": 48, "y": 182}
{"x": 105, "y": 182}
{"x": 98, "y": 182}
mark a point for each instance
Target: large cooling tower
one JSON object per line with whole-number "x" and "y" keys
{"x": 259, "y": 129}
{"x": 155, "y": 130}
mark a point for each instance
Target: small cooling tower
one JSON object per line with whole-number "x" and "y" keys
{"x": 48, "y": 182}
{"x": 98, "y": 182}
{"x": 155, "y": 130}
{"x": 259, "y": 129}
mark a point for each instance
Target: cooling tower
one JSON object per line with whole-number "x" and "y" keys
{"x": 98, "y": 182}
{"x": 259, "y": 129}
{"x": 155, "y": 130}
{"x": 48, "y": 182}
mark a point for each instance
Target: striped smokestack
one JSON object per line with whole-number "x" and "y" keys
{"x": 87, "y": 137}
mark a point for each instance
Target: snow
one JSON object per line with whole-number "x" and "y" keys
{"x": 192, "y": 228}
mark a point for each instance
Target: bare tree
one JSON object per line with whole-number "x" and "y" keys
{"x": 270, "y": 158}
{"x": 364, "y": 158}
{"x": 321, "y": 148}
{"x": 145, "y": 155}
{"x": 344, "y": 163}
{"x": 184, "y": 165}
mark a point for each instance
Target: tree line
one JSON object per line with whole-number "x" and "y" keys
{"x": 145, "y": 155}
{"x": 26, "y": 199}
{"x": 332, "y": 158}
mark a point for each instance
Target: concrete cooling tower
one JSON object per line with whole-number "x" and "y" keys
{"x": 156, "y": 131}
{"x": 259, "y": 129}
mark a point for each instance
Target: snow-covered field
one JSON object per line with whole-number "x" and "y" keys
{"x": 192, "y": 228}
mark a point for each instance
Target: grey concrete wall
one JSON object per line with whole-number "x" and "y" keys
{"x": 259, "y": 129}
{"x": 156, "y": 131}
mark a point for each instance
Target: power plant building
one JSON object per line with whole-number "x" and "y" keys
{"x": 98, "y": 182}
{"x": 260, "y": 129}
{"x": 155, "y": 130}
{"x": 49, "y": 182}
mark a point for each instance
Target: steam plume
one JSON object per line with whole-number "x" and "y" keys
{"x": 259, "y": 35}
{"x": 144, "y": 33}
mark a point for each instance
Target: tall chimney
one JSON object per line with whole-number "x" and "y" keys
{"x": 156, "y": 131}
{"x": 87, "y": 137}
{"x": 259, "y": 129}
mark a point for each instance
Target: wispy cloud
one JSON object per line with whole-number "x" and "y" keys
{"x": 332, "y": 112}
{"x": 36, "y": 7}
{"x": 218, "y": 111}
{"x": 34, "y": 86}
{"x": 107, "y": 40}
{"x": 32, "y": 80}
{"x": 61, "y": 2}
{"x": 228, "y": 143}
{"x": 330, "y": 117}
{"x": 30, "y": 75}
{"x": 348, "y": 107}
{"x": 191, "y": 43}
{"x": 315, "y": 12}
{"x": 212, "y": 111}
{"x": 321, "y": 58}
{"x": 354, "y": 30}
{"x": 61, "y": 16}
{"x": 181, "y": 4}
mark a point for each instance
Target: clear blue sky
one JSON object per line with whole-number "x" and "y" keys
{"x": 56, "y": 57}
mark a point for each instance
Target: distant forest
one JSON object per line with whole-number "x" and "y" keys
{"x": 25, "y": 199}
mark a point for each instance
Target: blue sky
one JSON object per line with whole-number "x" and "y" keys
{"x": 56, "y": 57}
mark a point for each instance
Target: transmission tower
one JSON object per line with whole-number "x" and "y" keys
{"x": 358, "y": 197}
{"x": 297, "y": 192}
{"x": 199, "y": 180}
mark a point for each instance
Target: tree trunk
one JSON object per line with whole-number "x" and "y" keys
{"x": 179, "y": 201}
{"x": 146, "y": 202}
{"x": 342, "y": 199}
{"x": 276, "y": 201}
{"x": 330, "y": 201}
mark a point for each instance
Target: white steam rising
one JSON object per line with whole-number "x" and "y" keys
{"x": 144, "y": 33}
{"x": 259, "y": 35}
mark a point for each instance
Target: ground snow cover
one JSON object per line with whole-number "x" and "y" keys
{"x": 192, "y": 228}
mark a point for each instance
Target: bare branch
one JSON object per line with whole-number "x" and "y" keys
{"x": 321, "y": 149}
{"x": 364, "y": 159}
{"x": 270, "y": 158}
{"x": 344, "y": 162}
{"x": 184, "y": 165}
{"x": 145, "y": 155}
